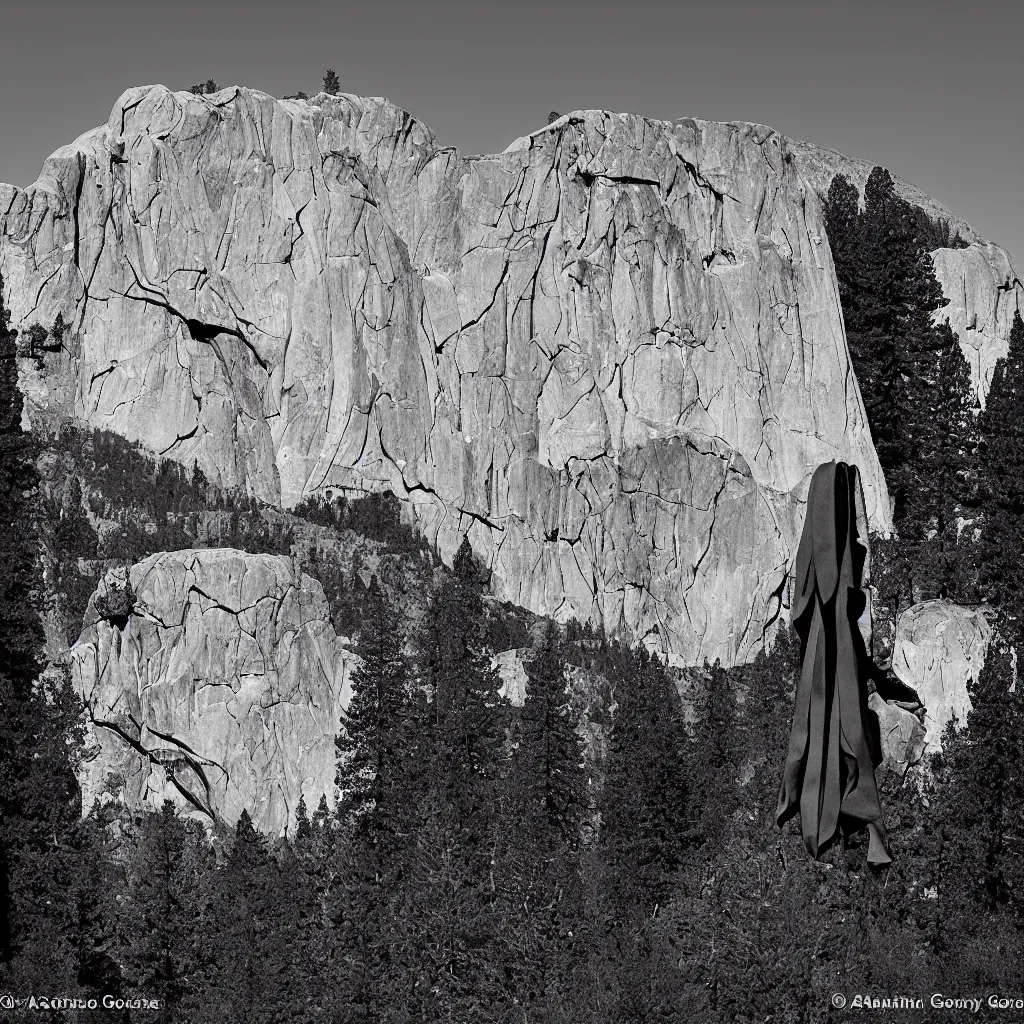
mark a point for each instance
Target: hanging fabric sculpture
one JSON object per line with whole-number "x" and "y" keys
{"x": 833, "y": 750}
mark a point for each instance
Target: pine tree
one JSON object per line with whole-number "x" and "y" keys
{"x": 21, "y": 631}
{"x": 770, "y": 684}
{"x": 163, "y": 912}
{"x": 376, "y": 736}
{"x": 899, "y": 296}
{"x": 738, "y": 884}
{"x": 468, "y": 716}
{"x": 889, "y": 292}
{"x": 252, "y": 948}
{"x": 443, "y": 929}
{"x": 332, "y": 84}
{"x": 645, "y": 803}
{"x": 715, "y": 757}
{"x": 312, "y": 877}
{"x": 980, "y": 810}
{"x": 1001, "y": 487}
{"x": 40, "y": 730}
{"x": 841, "y": 212}
{"x": 942, "y": 478}
{"x": 550, "y": 755}
{"x": 377, "y": 785}
{"x": 543, "y": 814}
{"x": 40, "y": 833}
{"x": 95, "y": 879}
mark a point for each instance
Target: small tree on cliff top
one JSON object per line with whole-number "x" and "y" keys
{"x": 332, "y": 84}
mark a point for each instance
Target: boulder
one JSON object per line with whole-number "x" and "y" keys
{"x": 939, "y": 651}
{"x": 901, "y": 732}
{"x": 221, "y": 689}
{"x": 612, "y": 354}
{"x": 984, "y": 293}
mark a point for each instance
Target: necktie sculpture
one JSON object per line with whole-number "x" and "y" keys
{"x": 829, "y": 775}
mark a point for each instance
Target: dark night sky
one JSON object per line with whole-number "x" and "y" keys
{"x": 931, "y": 90}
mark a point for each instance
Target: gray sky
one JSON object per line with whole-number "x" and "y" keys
{"x": 931, "y": 90}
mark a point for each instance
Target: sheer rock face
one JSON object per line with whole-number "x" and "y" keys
{"x": 982, "y": 288}
{"x": 612, "y": 354}
{"x": 984, "y": 292}
{"x": 940, "y": 649}
{"x": 223, "y": 691}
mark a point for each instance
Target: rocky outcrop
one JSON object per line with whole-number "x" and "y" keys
{"x": 982, "y": 288}
{"x": 611, "y": 354}
{"x": 984, "y": 293}
{"x": 939, "y": 651}
{"x": 901, "y": 732}
{"x": 512, "y": 672}
{"x": 221, "y": 690}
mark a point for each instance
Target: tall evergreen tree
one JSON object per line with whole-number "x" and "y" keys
{"x": 468, "y": 716}
{"x": 943, "y": 477}
{"x": 770, "y": 684}
{"x": 979, "y": 811}
{"x": 164, "y": 910}
{"x": 645, "y": 804}
{"x": 40, "y": 737}
{"x": 21, "y": 631}
{"x": 843, "y": 225}
{"x": 316, "y": 885}
{"x": 544, "y": 810}
{"x": 252, "y": 956}
{"x": 332, "y": 84}
{"x": 377, "y": 778}
{"x": 1001, "y": 487}
{"x": 420, "y": 928}
{"x": 715, "y": 757}
{"x": 889, "y": 292}
{"x": 378, "y": 724}
{"x": 550, "y": 757}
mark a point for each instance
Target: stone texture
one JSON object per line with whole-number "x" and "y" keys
{"x": 902, "y": 734}
{"x": 940, "y": 648}
{"x": 512, "y": 672}
{"x": 611, "y": 354}
{"x": 223, "y": 691}
{"x": 984, "y": 293}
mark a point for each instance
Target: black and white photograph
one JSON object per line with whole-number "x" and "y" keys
{"x": 511, "y": 512}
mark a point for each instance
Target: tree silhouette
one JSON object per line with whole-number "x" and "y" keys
{"x": 332, "y": 84}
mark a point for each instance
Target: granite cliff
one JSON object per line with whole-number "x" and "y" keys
{"x": 612, "y": 354}
{"x": 222, "y": 690}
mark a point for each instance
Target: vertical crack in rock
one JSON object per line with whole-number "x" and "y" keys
{"x": 77, "y": 204}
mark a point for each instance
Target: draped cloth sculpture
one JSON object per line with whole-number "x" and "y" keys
{"x": 833, "y": 748}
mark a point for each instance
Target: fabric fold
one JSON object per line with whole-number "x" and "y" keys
{"x": 829, "y": 775}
